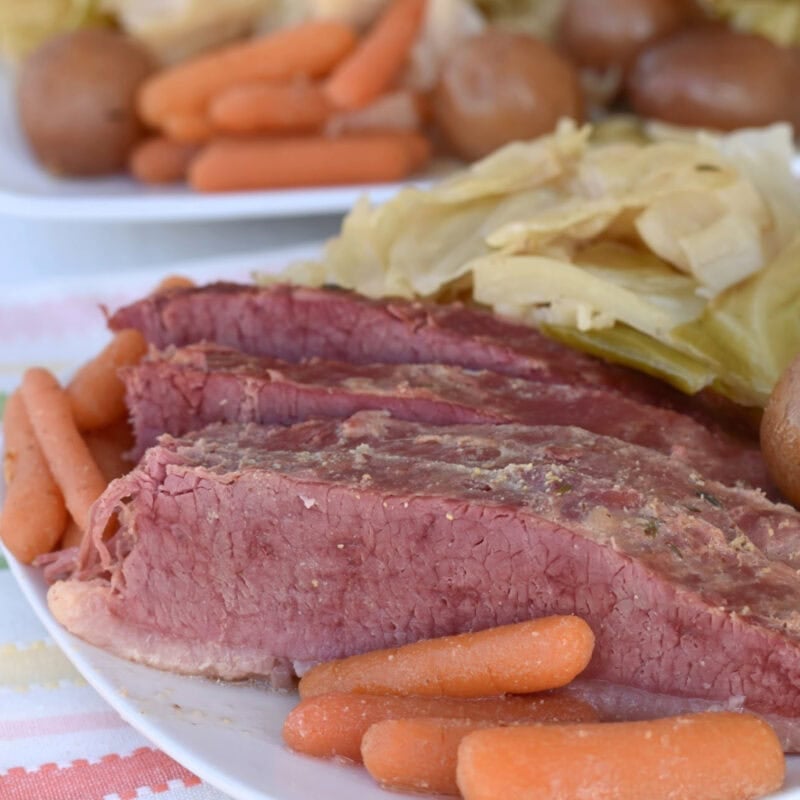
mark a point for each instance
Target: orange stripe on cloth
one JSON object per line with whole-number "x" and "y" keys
{"x": 113, "y": 774}
{"x": 12, "y": 729}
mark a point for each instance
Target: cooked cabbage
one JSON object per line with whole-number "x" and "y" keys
{"x": 662, "y": 254}
{"x": 24, "y": 24}
{"x": 778, "y": 20}
{"x": 176, "y": 29}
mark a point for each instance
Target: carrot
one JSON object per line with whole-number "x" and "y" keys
{"x": 331, "y": 725}
{"x": 310, "y": 49}
{"x": 527, "y": 657}
{"x": 33, "y": 516}
{"x": 67, "y": 455}
{"x": 174, "y": 282}
{"x": 188, "y": 128}
{"x": 294, "y": 107}
{"x": 73, "y": 536}
{"x": 377, "y": 61}
{"x": 108, "y": 447}
{"x": 237, "y": 165}
{"x": 96, "y": 392}
{"x": 417, "y": 755}
{"x": 719, "y": 755}
{"x": 160, "y": 160}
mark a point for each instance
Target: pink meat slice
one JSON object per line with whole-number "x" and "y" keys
{"x": 294, "y": 323}
{"x": 243, "y": 549}
{"x": 180, "y": 390}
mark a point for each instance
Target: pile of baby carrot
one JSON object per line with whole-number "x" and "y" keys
{"x": 63, "y": 446}
{"x": 461, "y": 715}
{"x": 292, "y": 108}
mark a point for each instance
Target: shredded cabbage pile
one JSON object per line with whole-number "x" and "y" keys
{"x": 678, "y": 256}
{"x": 25, "y": 24}
{"x": 778, "y": 20}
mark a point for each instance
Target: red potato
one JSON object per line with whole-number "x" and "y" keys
{"x": 614, "y": 37}
{"x": 500, "y": 86}
{"x": 76, "y": 96}
{"x": 713, "y": 77}
{"x": 708, "y": 756}
{"x": 333, "y": 725}
{"x": 780, "y": 433}
{"x": 527, "y": 657}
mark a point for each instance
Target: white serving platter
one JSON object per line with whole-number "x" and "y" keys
{"x": 227, "y": 734}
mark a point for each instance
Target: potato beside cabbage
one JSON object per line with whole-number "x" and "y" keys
{"x": 678, "y": 256}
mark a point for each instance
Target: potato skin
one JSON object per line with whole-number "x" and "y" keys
{"x": 611, "y": 34}
{"x": 780, "y": 433}
{"x": 712, "y": 77}
{"x": 498, "y": 87}
{"x": 76, "y": 95}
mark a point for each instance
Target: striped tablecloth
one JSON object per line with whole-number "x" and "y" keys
{"x": 58, "y": 739}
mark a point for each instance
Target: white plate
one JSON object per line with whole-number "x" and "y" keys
{"x": 28, "y": 191}
{"x": 227, "y": 734}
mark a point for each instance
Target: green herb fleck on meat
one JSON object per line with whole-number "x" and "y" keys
{"x": 651, "y": 527}
{"x": 710, "y": 499}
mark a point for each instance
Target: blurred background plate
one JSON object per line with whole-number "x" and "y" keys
{"x": 28, "y": 191}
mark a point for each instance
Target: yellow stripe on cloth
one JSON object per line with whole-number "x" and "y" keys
{"x": 38, "y": 664}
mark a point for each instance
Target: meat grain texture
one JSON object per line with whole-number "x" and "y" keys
{"x": 262, "y": 543}
{"x": 253, "y": 550}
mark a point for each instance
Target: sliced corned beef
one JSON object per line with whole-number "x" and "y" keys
{"x": 180, "y": 390}
{"x": 242, "y": 549}
{"x": 294, "y": 323}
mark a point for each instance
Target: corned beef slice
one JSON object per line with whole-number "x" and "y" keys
{"x": 243, "y": 549}
{"x": 178, "y": 391}
{"x": 294, "y": 323}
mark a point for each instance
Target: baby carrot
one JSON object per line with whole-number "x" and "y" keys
{"x": 33, "y": 516}
{"x": 108, "y": 447}
{"x": 376, "y": 63}
{"x": 331, "y": 725}
{"x": 160, "y": 160}
{"x": 67, "y": 455}
{"x": 174, "y": 282}
{"x": 527, "y": 657}
{"x": 187, "y": 128}
{"x": 719, "y": 755}
{"x": 310, "y": 49}
{"x": 238, "y": 165}
{"x": 73, "y": 536}
{"x": 96, "y": 392}
{"x": 417, "y": 755}
{"x": 291, "y": 107}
